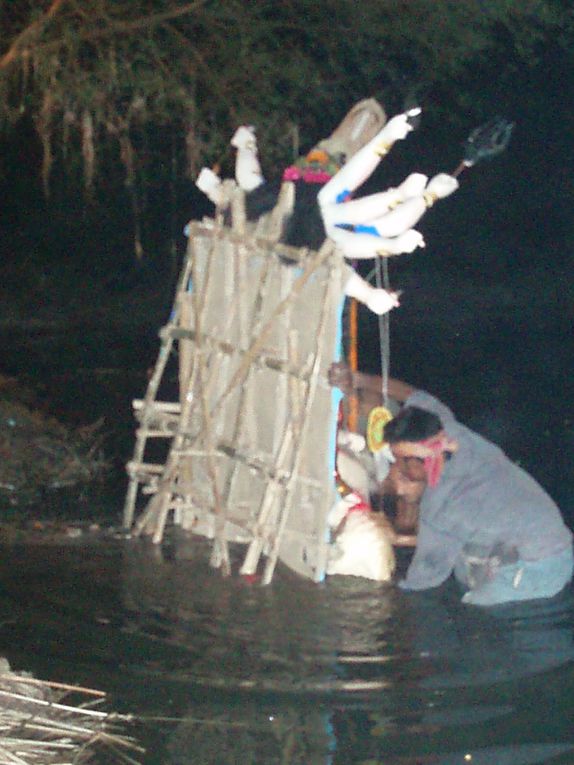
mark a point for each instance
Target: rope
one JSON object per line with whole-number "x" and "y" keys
{"x": 382, "y": 281}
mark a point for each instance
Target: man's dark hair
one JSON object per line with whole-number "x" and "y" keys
{"x": 412, "y": 424}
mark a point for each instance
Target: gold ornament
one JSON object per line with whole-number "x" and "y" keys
{"x": 378, "y": 418}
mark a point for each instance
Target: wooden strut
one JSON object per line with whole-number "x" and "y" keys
{"x": 289, "y": 444}
{"x": 254, "y": 326}
{"x": 255, "y": 348}
{"x": 270, "y": 501}
{"x": 220, "y": 552}
{"x": 155, "y": 515}
{"x": 256, "y": 547}
{"x": 274, "y": 477}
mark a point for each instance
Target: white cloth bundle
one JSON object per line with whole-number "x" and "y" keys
{"x": 362, "y": 544}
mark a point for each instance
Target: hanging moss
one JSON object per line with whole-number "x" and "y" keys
{"x": 148, "y": 83}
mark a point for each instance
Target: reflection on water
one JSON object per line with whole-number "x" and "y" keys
{"x": 350, "y": 671}
{"x": 294, "y": 636}
{"x": 245, "y": 733}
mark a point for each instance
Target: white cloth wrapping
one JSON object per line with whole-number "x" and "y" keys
{"x": 247, "y": 168}
{"x": 210, "y": 183}
{"x": 362, "y": 544}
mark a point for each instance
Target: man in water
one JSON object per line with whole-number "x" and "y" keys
{"x": 481, "y": 517}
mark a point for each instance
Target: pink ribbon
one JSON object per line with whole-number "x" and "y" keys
{"x": 294, "y": 173}
{"x": 434, "y": 463}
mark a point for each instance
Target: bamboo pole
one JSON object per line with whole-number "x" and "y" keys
{"x": 353, "y": 359}
{"x": 220, "y": 553}
{"x": 272, "y": 489}
{"x": 285, "y": 509}
{"x": 190, "y": 370}
{"x": 254, "y": 350}
{"x": 154, "y": 517}
{"x": 254, "y": 323}
{"x": 131, "y": 496}
{"x": 269, "y": 501}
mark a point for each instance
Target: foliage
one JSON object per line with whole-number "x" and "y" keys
{"x": 161, "y": 84}
{"x": 38, "y": 453}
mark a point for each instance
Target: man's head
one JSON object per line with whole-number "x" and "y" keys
{"x": 419, "y": 444}
{"x": 412, "y": 424}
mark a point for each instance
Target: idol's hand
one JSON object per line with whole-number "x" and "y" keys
{"x": 400, "y": 126}
{"x": 381, "y": 301}
{"x": 403, "y": 243}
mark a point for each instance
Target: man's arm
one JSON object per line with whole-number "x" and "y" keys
{"x": 369, "y": 388}
{"x": 373, "y": 384}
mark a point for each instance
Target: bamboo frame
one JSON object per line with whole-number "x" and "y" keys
{"x": 217, "y": 434}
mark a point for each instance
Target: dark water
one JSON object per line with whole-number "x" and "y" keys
{"x": 220, "y": 671}
{"x": 344, "y": 672}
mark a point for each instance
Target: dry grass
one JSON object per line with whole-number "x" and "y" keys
{"x": 41, "y": 723}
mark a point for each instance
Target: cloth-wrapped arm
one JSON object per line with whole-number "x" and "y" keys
{"x": 247, "y": 168}
{"x": 210, "y": 183}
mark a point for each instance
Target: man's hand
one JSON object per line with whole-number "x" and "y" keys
{"x": 340, "y": 376}
{"x": 405, "y": 540}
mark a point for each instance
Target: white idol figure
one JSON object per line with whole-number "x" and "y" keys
{"x": 248, "y": 176}
{"x": 382, "y": 223}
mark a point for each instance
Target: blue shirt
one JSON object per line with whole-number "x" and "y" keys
{"x": 484, "y": 504}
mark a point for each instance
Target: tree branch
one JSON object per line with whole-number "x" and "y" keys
{"x": 150, "y": 21}
{"x": 22, "y": 41}
{"x": 30, "y": 32}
